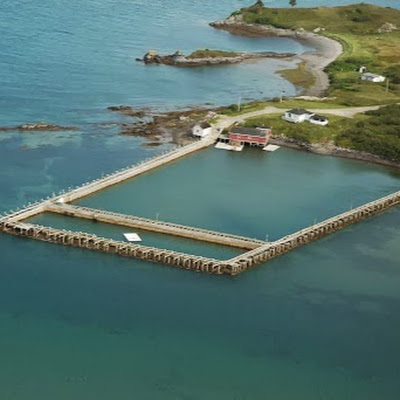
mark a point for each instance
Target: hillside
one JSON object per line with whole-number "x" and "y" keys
{"x": 370, "y": 36}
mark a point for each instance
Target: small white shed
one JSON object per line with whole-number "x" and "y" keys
{"x": 202, "y": 130}
{"x": 372, "y": 77}
{"x": 297, "y": 115}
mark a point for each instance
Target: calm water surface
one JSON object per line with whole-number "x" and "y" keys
{"x": 319, "y": 323}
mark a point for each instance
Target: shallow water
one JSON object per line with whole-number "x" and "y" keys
{"x": 318, "y": 323}
{"x": 251, "y": 193}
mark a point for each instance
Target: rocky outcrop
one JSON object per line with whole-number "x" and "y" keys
{"x": 235, "y": 24}
{"x": 387, "y": 27}
{"x": 179, "y": 60}
{"x": 41, "y": 126}
{"x": 128, "y": 110}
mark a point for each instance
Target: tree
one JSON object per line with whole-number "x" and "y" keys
{"x": 293, "y": 2}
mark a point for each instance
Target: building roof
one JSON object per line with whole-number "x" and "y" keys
{"x": 299, "y": 111}
{"x": 205, "y": 125}
{"x": 249, "y": 131}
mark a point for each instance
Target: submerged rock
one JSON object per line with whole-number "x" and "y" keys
{"x": 40, "y": 126}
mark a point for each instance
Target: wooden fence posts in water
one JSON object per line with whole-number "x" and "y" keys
{"x": 259, "y": 251}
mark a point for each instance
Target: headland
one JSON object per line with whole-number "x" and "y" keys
{"x": 206, "y": 57}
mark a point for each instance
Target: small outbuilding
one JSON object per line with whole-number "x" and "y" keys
{"x": 202, "y": 130}
{"x": 297, "y": 115}
{"x": 250, "y": 136}
{"x": 369, "y": 77}
{"x": 319, "y": 120}
{"x": 362, "y": 69}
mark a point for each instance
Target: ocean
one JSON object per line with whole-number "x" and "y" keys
{"x": 318, "y": 323}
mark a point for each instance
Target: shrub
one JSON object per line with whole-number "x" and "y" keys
{"x": 362, "y": 18}
{"x": 393, "y": 73}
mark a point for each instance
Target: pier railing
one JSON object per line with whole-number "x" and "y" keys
{"x": 105, "y": 245}
{"x": 259, "y": 251}
{"x": 314, "y": 232}
{"x": 170, "y": 228}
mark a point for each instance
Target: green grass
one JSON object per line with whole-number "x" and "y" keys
{"x": 300, "y": 76}
{"x": 304, "y": 132}
{"x": 356, "y": 19}
{"x": 206, "y": 53}
{"x": 357, "y": 28}
{"x": 286, "y": 103}
{"x": 378, "y": 133}
{"x": 375, "y": 132}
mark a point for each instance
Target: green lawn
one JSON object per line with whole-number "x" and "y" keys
{"x": 304, "y": 132}
{"x": 206, "y": 53}
{"x": 359, "y": 28}
{"x": 375, "y": 132}
{"x": 286, "y": 103}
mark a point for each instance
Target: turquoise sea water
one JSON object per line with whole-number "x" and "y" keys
{"x": 319, "y": 323}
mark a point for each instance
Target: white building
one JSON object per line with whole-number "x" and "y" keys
{"x": 372, "y": 77}
{"x": 202, "y": 130}
{"x": 297, "y": 115}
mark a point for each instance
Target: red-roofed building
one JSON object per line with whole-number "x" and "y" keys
{"x": 251, "y": 136}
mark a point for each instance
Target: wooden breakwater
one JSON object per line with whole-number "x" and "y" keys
{"x": 170, "y": 228}
{"x": 133, "y": 171}
{"x": 259, "y": 251}
{"x": 104, "y": 182}
{"x": 233, "y": 266}
{"x": 310, "y": 234}
{"x": 92, "y": 242}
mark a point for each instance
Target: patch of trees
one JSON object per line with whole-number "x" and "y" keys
{"x": 379, "y": 134}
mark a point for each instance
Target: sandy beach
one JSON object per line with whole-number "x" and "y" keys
{"x": 326, "y": 50}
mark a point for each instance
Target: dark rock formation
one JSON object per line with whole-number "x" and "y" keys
{"x": 40, "y": 126}
{"x": 179, "y": 60}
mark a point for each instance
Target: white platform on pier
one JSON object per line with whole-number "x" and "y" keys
{"x": 271, "y": 147}
{"x": 132, "y": 237}
{"x": 226, "y": 146}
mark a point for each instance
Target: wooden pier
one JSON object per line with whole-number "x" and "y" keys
{"x": 259, "y": 251}
{"x": 92, "y": 242}
{"x": 170, "y": 228}
{"x": 314, "y": 232}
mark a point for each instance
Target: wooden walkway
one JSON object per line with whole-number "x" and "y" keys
{"x": 104, "y": 245}
{"x": 259, "y": 251}
{"x": 155, "y": 226}
{"x": 311, "y": 233}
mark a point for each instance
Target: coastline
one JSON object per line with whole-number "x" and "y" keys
{"x": 333, "y": 151}
{"x": 326, "y": 50}
{"x": 179, "y": 60}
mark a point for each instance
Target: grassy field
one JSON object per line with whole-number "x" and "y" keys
{"x": 300, "y": 76}
{"x": 232, "y": 110}
{"x": 305, "y": 132}
{"x": 375, "y": 132}
{"x": 369, "y": 36}
{"x": 206, "y": 53}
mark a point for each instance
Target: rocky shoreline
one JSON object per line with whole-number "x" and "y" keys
{"x": 161, "y": 127}
{"x": 326, "y": 50}
{"x": 332, "y": 150}
{"x": 179, "y": 60}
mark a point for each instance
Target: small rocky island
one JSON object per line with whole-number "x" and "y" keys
{"x": 207, "y": 57}
{"x": 39, "y": 126}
